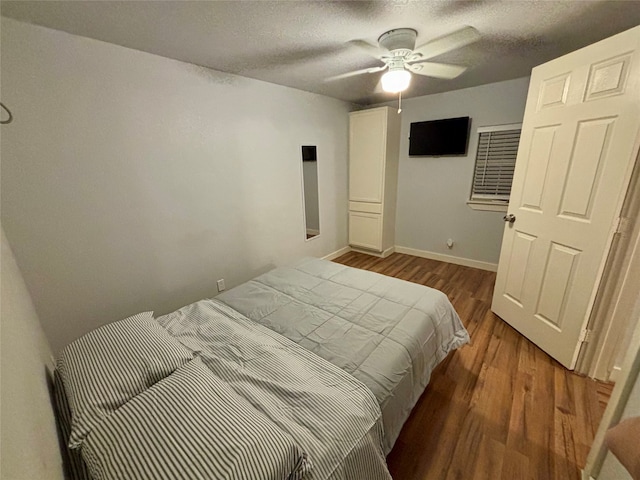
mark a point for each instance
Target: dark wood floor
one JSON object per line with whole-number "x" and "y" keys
{"x": 499, "y": 408}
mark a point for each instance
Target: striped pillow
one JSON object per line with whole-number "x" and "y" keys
{"x": 109, "y": 366}
{"x": 192, "y": 425}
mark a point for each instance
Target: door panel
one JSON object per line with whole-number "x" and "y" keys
{"x": 608, "y": 77}
{"x": 367, "y": 145}
{"x": 541, "y": 148}
{"x": 553, "y": 91}
{"x": 365, "y": 230}
{"x": 559, "y": 268}
{"x": 518, "y": 266}
{"x": 578, "y": 145}
{"x": 585, "y": 167}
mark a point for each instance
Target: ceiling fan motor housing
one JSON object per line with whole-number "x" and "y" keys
{"x": 400, "y": 42}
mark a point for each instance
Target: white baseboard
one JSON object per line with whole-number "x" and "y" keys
{"x": 388, "y": 252}
{"x": 383, "y": 254}
{"x": 467, "y": 262}
{"x": 337, "y": 253}
{"x": 615, "y": 373}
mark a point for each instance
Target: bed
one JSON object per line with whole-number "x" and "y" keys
{"x": 388, "y": 333}
{"x": 306, "y": 372}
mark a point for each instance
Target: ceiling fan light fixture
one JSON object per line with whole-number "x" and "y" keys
{"x": 395, "y": 81}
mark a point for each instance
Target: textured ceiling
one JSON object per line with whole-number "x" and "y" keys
{"x": 300, "y": 43}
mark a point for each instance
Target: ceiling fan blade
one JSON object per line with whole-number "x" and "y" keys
{"x": 355, "y": 72}
{"x": 436, "y": 70}
{"x": 445, "y": 44}
{"x": 374, "y": 51}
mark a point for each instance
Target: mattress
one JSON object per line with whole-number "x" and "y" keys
{"x": 388, "y": 333}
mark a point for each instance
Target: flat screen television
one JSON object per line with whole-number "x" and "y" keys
{"x": 436, "y": 138}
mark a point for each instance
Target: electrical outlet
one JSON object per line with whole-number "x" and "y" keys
{"x": 221, "y": 286}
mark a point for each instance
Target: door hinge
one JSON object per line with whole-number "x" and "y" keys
{"x": 585, "y": 335}
{"x": 621, "y": 226}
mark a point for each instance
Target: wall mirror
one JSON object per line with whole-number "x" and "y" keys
{"x": 310, "y": 191}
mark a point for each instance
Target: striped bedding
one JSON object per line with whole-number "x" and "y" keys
{"x": 302, "y": 415}
{"x": 331, "y": 414}
{"x": 102, "y": 369}
{"x": 192, "y": 425}
{"x": 388, "y": 333}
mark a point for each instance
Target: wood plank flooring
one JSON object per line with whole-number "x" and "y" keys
{"x": 499, "y": 408}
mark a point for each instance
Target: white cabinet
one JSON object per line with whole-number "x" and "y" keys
{"x": 365, "y": 230}
{"x": 374, "y": 140}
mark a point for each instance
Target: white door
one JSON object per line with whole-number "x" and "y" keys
{"x": 578, "y": 145}
{"x": 367, "y": 146}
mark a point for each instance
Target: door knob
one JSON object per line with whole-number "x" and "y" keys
{"x": 509, "y": 218}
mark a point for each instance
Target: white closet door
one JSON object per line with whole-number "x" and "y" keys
{"x": 367, "y": 145}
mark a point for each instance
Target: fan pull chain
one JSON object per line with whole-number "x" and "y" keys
{"x": 399, "y": 102}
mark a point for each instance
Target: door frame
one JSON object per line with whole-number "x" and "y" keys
{"x": 610, "y": 315}
{"x": 629, "y": 375}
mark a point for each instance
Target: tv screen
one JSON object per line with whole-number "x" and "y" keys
{"x": 439, "y": 137}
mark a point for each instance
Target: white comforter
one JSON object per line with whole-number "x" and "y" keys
{"x": 388, "y": 333}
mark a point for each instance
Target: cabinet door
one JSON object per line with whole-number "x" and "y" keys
{"x": 365, "y": 230}
{"x": 367, "y": 144}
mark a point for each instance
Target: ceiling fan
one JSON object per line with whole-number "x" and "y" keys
{"x": 396, "y": 49}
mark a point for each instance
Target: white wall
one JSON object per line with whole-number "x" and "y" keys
{"x": 432, "y": 192}
{"x": 612, "y": 469}
{"x": 134, "y": 182}
{"x": 29, "y": 443}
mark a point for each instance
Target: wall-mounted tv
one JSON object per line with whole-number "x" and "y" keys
{"x": 436, "y": 138}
